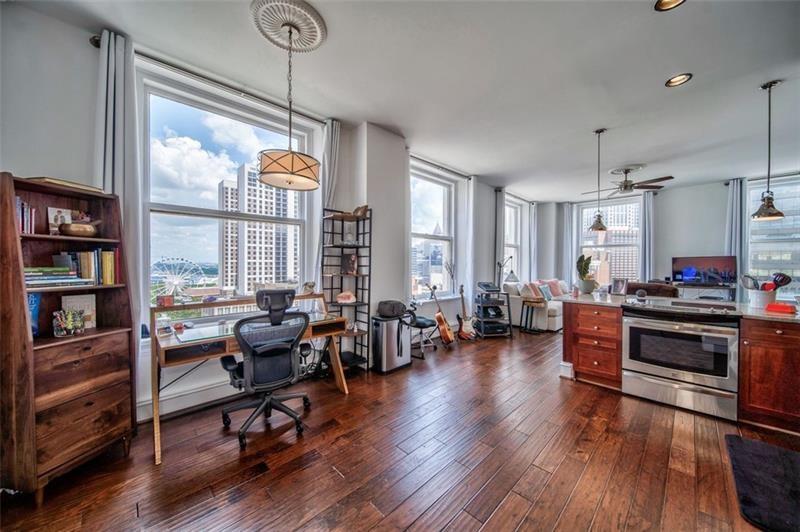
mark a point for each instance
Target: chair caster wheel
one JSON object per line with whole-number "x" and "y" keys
{"x": 306, "y": 403}
{"x": 226, "y": 420}
{"x": 242, "y": 442}
{"x": 298, "y": 427}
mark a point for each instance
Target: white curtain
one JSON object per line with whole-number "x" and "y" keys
{"x": 735, "y": 227}
{"x": 499, "y": 232}
{"x": 532, "y": 251}
{"x": 116, "y": 164}
{"x": 328, "y": 175}
{"x": 565, "y": 233}
{"x": 646, "y": 248}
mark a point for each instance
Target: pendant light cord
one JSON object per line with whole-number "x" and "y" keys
{"x": 289, "y": 96}
{"x": 598, "y": 170}
{"x": 769, "y": 135}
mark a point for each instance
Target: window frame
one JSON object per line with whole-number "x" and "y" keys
{"x": 153, "y": 78}
{"x": 606, "y": 203}
{"x": 424, "y": 172}
{"x": 516, "y": 262}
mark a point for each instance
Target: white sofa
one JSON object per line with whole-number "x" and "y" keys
{"x": 549, "y": 318}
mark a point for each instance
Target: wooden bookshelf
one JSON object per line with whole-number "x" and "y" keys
{"x": 62, "y": 400}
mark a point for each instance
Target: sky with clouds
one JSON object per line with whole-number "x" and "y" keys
{"x": 191, "y": 151}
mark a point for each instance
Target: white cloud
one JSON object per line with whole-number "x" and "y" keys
{"x": 234, "y": 134}
{"x": 183, "y": 172}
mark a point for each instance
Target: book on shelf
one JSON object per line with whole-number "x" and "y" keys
{"x": 77, "y": 268}
{"x": 26, "y": 216}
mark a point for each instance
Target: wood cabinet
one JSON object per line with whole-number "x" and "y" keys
{"x": 592, "y": 342}
{"x": 769, "y": 373}
{"x": 62, "y": 400}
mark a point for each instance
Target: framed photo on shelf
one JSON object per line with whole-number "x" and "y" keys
{"x": 349, "y": 263}
{"x": 57, "y": 216}
{"x": 619, "y": 287}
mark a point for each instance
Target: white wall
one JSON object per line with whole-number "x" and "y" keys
{"x": 484, "y": 205}
{"x": 689, "y": 221}
{"x": 49, "y": 87}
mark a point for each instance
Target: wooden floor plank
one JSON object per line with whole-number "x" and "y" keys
{"x": 487, "y": 427}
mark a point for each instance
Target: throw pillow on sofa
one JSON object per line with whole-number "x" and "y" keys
{"x": 555, "y": 288}
{"x": 530, "y": 291}
{"x": 546, "y": 293}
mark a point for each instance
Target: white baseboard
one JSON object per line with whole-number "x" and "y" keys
{"x": 565, "y": 370}
{"x": 187, "y": 398}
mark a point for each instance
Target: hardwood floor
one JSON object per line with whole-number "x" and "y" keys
{"x": 486, "y": 435}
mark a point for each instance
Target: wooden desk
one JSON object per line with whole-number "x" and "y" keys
{"x": 213, "y": 340}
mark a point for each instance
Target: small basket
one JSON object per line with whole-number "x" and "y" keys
{"x": 761, "y": 298}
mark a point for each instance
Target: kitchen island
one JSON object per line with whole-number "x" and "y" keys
{"x": 725, "y": 359}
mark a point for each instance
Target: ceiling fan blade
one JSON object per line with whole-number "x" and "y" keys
{"x": 601, "y": 190}
{"x": 613, "y": 193}
{"x": 655, "y": 180}
{"x": 648, "y": 187}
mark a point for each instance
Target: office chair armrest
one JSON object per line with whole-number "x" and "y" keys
{"x": 229, "y": 363}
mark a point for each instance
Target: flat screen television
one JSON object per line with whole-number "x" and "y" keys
{"x": 708, "y": 271}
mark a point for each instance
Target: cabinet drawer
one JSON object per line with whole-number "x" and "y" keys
{"x": 598, "y": 327}
{"x": 596, "y": 343}
{"x": 72, "y": 429}
{"x": 68, "y": 371}
{"x": 598, "y": 362}
{"x": 773, "y": 331}
{"x": 598, "y": 312}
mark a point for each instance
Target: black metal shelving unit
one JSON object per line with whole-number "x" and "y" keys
{"x": 492, "y": 299}
{"x": 344, "y": 234}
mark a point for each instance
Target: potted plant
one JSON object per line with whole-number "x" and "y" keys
{"x": 587, "y": 284}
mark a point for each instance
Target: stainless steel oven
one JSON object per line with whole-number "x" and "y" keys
{"x": 689, "y": 360}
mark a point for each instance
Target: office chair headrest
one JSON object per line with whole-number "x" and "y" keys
{"x": 275, "y": 302}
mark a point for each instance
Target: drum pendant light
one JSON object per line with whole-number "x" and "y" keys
{"x": 598, "y": 224}
{"x": 294, "y": 26}
{"x": 767, "y": 211}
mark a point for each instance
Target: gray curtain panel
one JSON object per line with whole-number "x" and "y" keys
{"x": 646, "y": 248}
{"x": 532, "y": 252}
{"x": 734, "y": 226}
{"x": 329, "y": 171}
{"x": 116, "y": 164}
{"x": 565, "y": 242}
{"x": 499, "y": 232}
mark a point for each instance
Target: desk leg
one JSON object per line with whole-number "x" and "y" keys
{"x": 154, "y": 378}
{"x": 336, "y": 366}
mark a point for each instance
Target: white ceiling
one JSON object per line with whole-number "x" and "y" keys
{"x": 512, "y": 90}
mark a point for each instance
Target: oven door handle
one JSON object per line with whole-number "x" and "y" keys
{"x": 678, "y": 386}
{"x": 689, "y": 328}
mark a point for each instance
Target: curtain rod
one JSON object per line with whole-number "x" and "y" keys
{"x": 94, "y": 40}
{"x": 462, "y": 175}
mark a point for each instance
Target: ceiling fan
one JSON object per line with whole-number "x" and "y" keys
{"x": 628, "y": 186}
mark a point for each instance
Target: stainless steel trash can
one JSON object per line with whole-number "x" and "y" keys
{"x": 390, "y": 349}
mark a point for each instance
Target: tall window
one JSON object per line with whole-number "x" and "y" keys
{"x": 615, "y": 253}
{"x": 513, "y": 239}
{"x": 775, "y": 246}
{"x": 432, "y": 215}
{"x": 214, "y": 228}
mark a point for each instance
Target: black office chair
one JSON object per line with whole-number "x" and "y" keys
{"x": 270, "y": 345}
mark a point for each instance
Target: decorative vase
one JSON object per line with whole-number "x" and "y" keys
{"x": 587, "y": 286}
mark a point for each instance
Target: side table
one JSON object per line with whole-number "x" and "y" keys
{"x": 526, "y": 321}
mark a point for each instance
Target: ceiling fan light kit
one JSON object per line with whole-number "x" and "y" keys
{"x": 767, "y": 211}
{"x": 294, "y": 26}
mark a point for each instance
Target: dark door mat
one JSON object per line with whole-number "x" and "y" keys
{"x": 767, "y": 483}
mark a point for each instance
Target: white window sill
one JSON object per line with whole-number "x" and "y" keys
{"x": 449, "y": 297}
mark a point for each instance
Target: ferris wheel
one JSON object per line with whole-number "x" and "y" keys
{"x": 173, "y": 275}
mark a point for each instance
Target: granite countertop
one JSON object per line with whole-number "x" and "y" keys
{"x": 617, "y": 301}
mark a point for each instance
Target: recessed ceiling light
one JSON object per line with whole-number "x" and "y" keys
{"x": 666, "y": 5}
{"x": 677, "y": 81}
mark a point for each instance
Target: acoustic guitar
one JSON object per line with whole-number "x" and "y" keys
{"x": 465, "y": 330}
{"x": 445, "y": 333}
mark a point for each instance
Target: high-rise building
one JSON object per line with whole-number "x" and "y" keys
{"x": 254, "y": 253}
